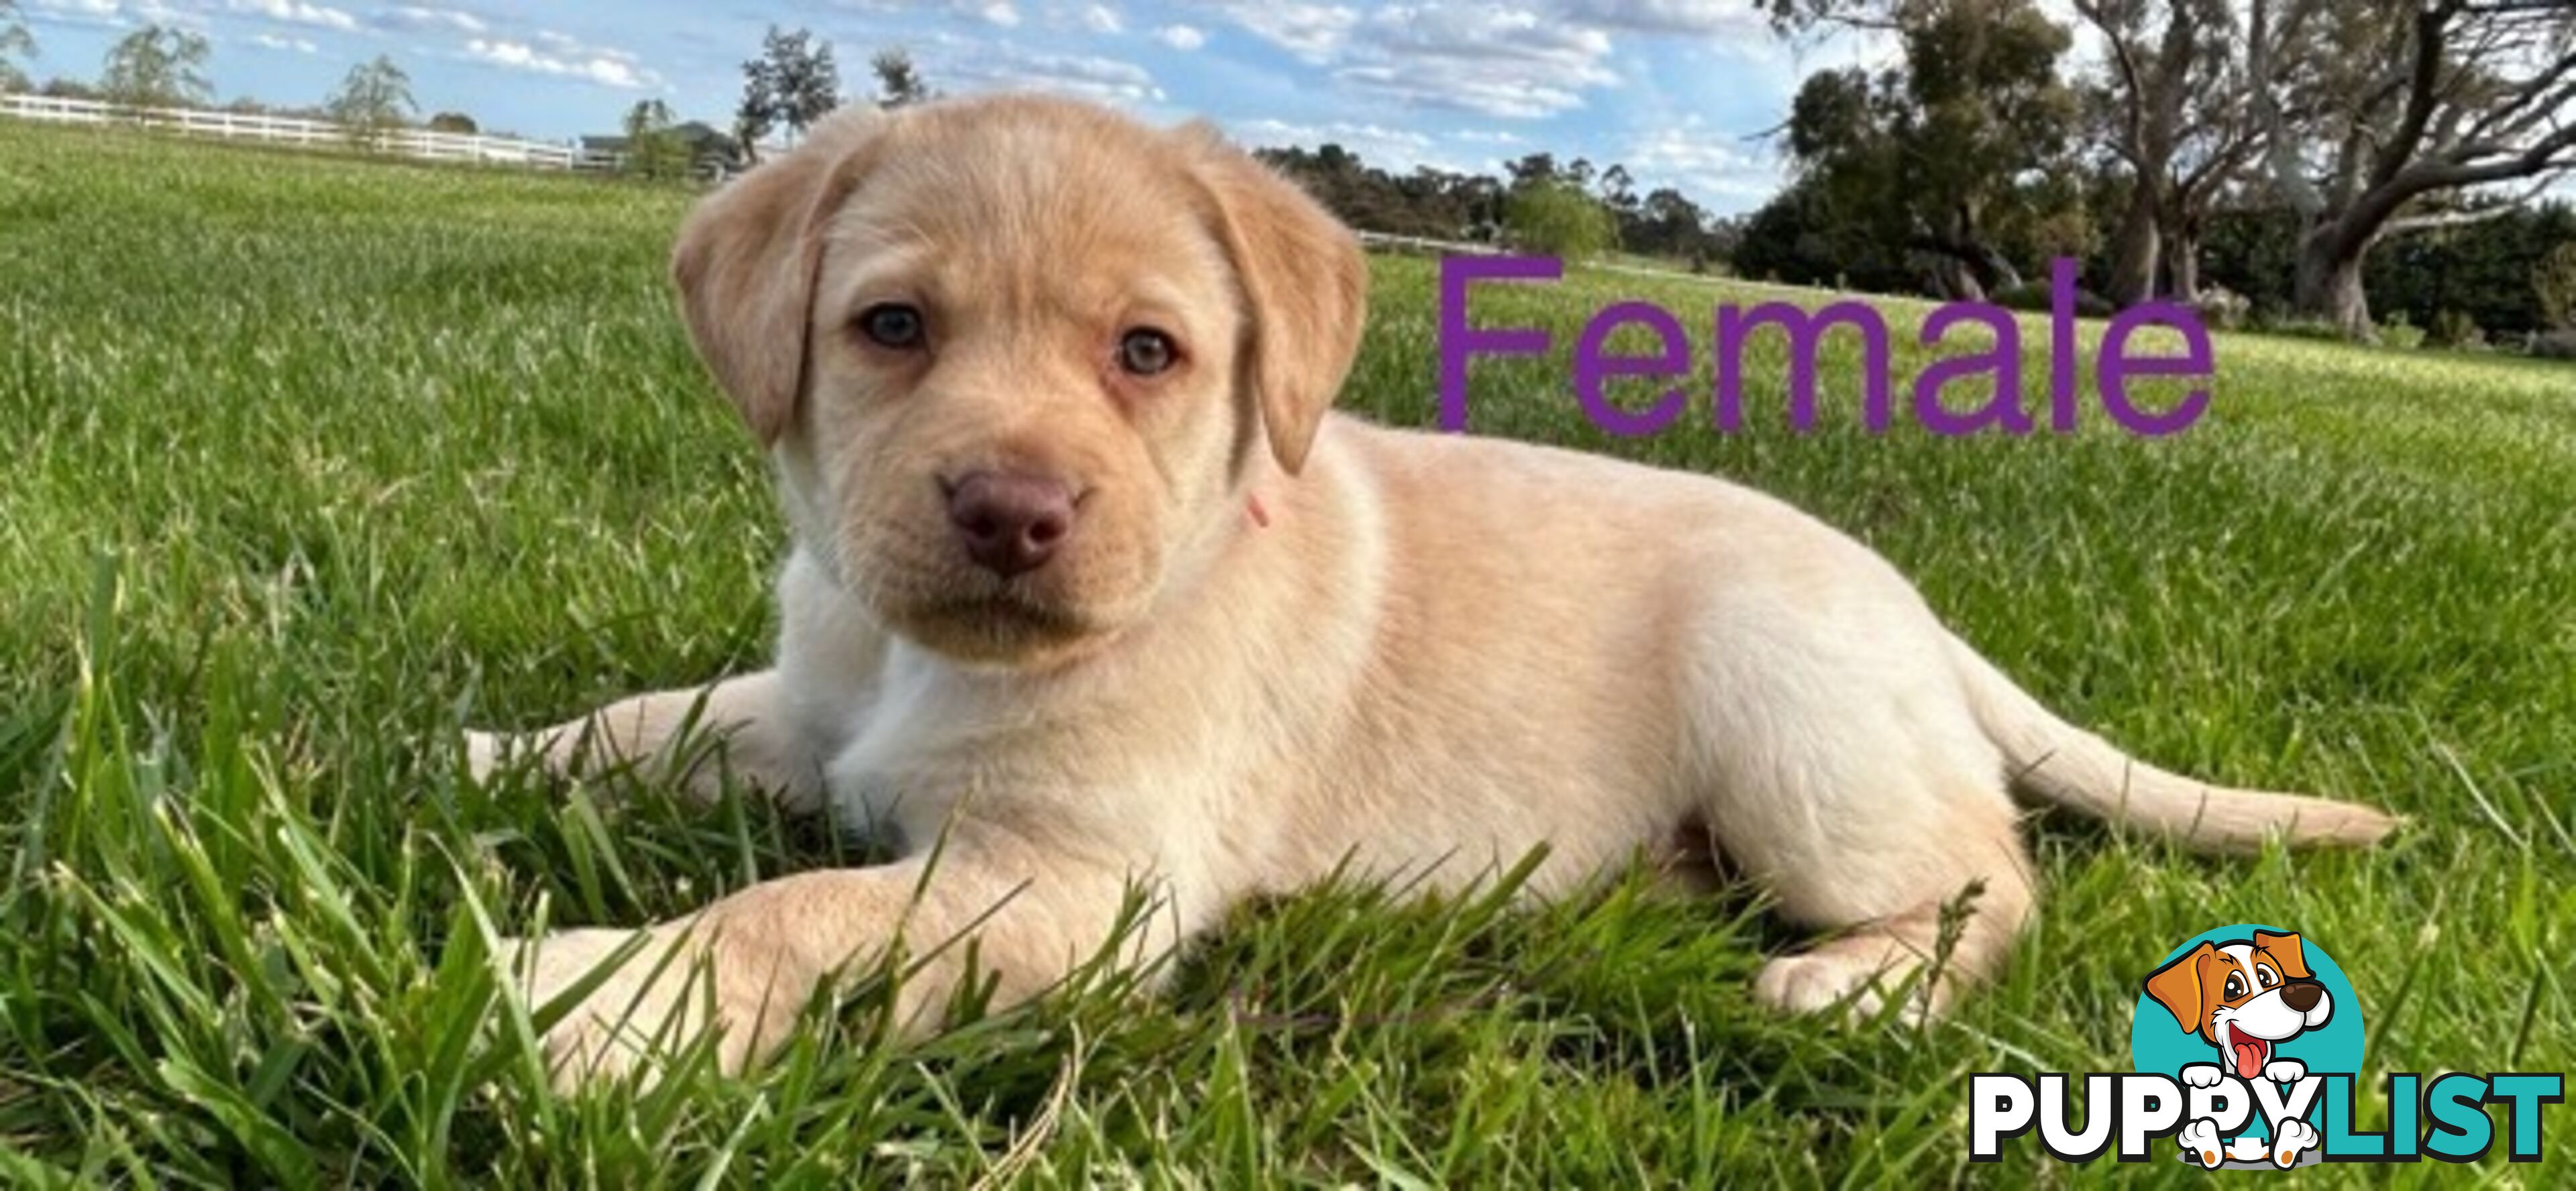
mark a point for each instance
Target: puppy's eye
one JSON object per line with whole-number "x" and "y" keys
{"x": 2235, "y": 987}
{"x": 2266, "y": 976}
{"x": 892, "y": 325}
{"x": 1146, "y": 352}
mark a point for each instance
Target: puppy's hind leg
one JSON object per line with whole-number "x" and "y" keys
{"x": 1966, "y": 887}
{"x": 1841, "y": 770}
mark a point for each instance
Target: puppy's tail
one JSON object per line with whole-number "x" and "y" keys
{"x": 2061, "y": 763}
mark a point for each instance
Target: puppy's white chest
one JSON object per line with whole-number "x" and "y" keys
{"x": 912, "y": 753}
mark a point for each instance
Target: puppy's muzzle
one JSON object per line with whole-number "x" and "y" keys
{"x": 1010, "y": 523}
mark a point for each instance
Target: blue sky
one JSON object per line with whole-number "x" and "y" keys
{"x": 1672, "y": 88}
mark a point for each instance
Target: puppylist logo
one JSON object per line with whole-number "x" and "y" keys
{"x": 2248, "y": 1045}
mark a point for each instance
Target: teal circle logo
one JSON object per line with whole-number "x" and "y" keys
{"x": 2252, "y": 1001}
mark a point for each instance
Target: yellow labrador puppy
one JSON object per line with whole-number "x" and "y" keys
{"x": 1089, "y": 590}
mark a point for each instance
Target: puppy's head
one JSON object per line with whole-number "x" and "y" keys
{"x": 2243, "y": 997}
{"x": 1019, "y": 359}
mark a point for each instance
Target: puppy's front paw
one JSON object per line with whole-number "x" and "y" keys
{"x": 2200, "y": 1141}
{"x": 1818, "y": 981}
{"x": 1860, "y": 972}
{"x": 2293, "y": 1138}
{"x": 2201, "y": 1075}
{"x": 2285, "y": 1071}
{"x": 484, "y": 754}
{"x": 658, "y": 992}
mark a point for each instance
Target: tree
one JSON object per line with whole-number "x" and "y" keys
{"x": 157, "y": 67}
{"x": 456, "y": 122}
{"x": 1668, "y": 224}
{"x": 1533, "y": 167}
{"x": 757, "y": 114}
{"x": 2170, "y": 107}
{"x": 794, "y": 82}
{"x": 2412, "y": 106}
{"x": 1617, "y": 190}
{"x": 653, "y": 150}
{"x": 372, "y": 101}
{"x": 14, "y": 40}
{"x": 1950, "y": 154}
{"x": 2219, "y": 143}
{"x": 1557, "y": 218}
{"x": 899, "y": 84}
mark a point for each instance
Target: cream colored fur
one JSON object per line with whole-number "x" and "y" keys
{"x": 1426, "y": 655}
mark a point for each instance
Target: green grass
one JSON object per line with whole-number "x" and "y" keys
{"x": 312, "y": 461}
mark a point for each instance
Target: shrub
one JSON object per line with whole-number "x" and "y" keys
{"x": 1560, "y": 220}
{"x": 2553, "y": 279}
{"x": 2221, "y": 308}
{"x": 2455, "y": 330}
{"x": 2554, "y": 345}
{"x": 2401, "y": 334}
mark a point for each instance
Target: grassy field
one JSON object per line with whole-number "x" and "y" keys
{"x": 312, "y": 461}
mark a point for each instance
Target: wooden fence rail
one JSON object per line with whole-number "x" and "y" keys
{"x": 288, "y": 130}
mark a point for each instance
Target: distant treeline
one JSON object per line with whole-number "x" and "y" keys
{"x": 1445, "y": 205}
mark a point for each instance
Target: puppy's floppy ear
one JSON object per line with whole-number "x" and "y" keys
{"x": 2176, "y": 986}
{"x": 1304, "y": 282}
{"x": 746, "y": 264}
{"x": 2288, "y": 951}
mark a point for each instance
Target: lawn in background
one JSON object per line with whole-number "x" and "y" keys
{"x": 311, "y": 461}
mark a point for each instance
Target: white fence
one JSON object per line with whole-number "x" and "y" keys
{"x": 1424, "y": 245}
{"x": 316, "y": 134}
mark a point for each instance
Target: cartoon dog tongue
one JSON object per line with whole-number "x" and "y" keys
{"x": 2250, "y": 1053}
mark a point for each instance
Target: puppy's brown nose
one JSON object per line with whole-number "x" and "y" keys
{"x": 2302, "y": 995}
{"x": 1010, "y": 522}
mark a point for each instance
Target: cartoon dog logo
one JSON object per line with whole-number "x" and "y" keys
{"x": 2244, "y": 998}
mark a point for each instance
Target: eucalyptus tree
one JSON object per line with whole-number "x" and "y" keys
{"x": 2381, "y": 118}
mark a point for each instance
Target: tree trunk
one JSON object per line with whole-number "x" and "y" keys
{"x": 1949, "y": 279}
{"x": 2327, "y": 284}
{"x": 1963, "y": 270}
{"x": 2135, "y": 247}
{"x": 2182, "y": 266}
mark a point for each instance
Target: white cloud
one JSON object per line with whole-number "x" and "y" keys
{"x": 102, "y": 10}
{"x": 1000, "y": 12}
{"x": 1490, "y": 59}
{"x": 115, "y": 14}
{"x": 1100, "y": 18}
{"x": 1001, "y": 65}
{"x": 1181, "y": 37}
{"x": 1314, "y": 32}
{"x": 1712, "y": 167}
{"x": 295, "y": 12}
{"x": 1741, "y": 18}
{"x": 424, "y": 17}
{"x": 1508, "y": 59}
{"x": 290, "y": 44}
{"x": 564, "y": 59}
{"x": 1341, "y": 132}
